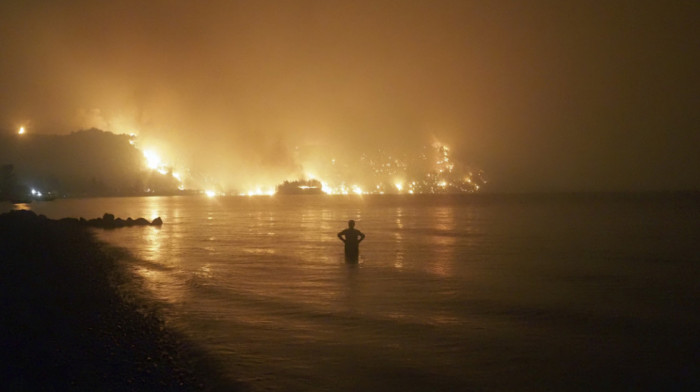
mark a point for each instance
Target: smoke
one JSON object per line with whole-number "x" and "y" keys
{"x": 538, "y": 96}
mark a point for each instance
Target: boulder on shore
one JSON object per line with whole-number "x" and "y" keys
{"x": 108, "y": 221}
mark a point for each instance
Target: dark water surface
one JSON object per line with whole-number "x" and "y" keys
{"x": 529, "y": 292}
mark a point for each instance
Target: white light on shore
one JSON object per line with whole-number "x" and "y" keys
{"x": 21, "y": 131}
{"x": 210, "y": 193}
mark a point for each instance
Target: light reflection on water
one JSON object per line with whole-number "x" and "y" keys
{"x": 398, "y": 263}
{"x": 444, "y": 287}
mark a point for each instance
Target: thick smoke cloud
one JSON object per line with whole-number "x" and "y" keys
{"x": 541, "y": 96}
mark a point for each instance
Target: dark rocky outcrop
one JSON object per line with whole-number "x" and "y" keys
{"x": 108, "y": 221}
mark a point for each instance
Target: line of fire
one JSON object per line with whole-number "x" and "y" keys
{"x": 97, "y": 163}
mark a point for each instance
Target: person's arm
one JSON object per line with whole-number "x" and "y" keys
{"x": 340, "y": 235}
{"x": 362, "y": 237}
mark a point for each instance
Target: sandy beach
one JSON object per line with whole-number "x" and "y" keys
{"x": 67, "y": 325}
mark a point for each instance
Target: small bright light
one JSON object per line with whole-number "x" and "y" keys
{"x": 442, "y": 184}
{"x": 33, "y": 191}
{"x": 399, "y": 186}
{"x": 356, "y": 189}
{"x": 21, "y": 131}
{"x": 210, "y": 193}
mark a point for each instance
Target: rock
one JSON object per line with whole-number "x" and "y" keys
{"x": 95, "y": 222}
{"x": 71, "y": 221}
{"x": 108, "y": 221}
{"x": 141, "y": 222}
{"x": 23, "y": 214}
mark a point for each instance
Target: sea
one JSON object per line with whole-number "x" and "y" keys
{"x": 517, "y": 292}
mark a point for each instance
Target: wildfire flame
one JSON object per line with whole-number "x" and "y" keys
{"x": 152, "y": 159}
{"x": 430, "y": 170}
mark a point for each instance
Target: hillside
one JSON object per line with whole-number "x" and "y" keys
{"x": 84, "y": 163}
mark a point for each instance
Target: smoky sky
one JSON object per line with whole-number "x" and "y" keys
{"x": 540, "y": 95}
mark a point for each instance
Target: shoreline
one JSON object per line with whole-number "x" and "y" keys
{"x": 67, "y": 323}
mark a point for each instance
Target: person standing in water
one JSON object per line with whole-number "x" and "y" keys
{"x": 352, "y": 238}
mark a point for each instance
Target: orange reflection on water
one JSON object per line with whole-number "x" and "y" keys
{"x": 159, "y": 270}
{"x": 443, "y": 242}
{"x": 398, "y": 237}
{"x": 161, "y": 265}
{"x": 154, "y": 244}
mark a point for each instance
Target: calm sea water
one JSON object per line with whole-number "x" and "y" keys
{"x": 557, "y": 292}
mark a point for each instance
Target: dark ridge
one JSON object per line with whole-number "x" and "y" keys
{"x": 67, "y": 325}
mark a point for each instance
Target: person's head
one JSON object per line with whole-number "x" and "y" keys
{"x": 351, "y": 224}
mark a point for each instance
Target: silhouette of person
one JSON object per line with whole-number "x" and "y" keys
{"x": 352, "y": 238}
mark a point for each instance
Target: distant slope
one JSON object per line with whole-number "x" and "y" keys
{"x": 88, "y": 162}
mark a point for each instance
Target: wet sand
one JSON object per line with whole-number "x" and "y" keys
{"x": 67, "y": 324}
